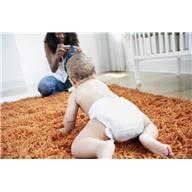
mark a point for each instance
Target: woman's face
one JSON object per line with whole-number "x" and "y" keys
{"x": 60, "y": 37}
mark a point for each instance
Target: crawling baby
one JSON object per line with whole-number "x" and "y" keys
{"x": 112, "y": 118}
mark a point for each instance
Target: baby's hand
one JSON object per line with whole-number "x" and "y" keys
{"x": 78, "y": 49}
{"x": 64, "y": 131}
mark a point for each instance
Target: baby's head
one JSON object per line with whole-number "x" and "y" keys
{"x": 80, "y": 67}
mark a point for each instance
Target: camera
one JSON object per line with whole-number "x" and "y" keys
{"x": 67, "y": 46}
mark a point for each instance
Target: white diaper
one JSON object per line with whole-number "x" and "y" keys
{"x": 123, "y": 120}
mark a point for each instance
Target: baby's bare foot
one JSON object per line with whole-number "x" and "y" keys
{"x": 163, "y": 149}
{"x": 170, "y": 153}
{"x": 105, "y": 150}
{"x": 155, "y": 146}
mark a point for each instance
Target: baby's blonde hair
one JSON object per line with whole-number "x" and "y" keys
{"x": 80, "y": 67}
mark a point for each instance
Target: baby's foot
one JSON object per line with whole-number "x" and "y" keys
{"x": 105, "y": 150}
{"x": 163, "y": 149}
{"x": 155, "y": 146}
{"x": 170, "y": 153}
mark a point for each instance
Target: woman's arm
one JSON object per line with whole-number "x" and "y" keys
{"x": 54, "y": 59}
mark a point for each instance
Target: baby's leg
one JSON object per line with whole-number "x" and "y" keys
{"x": 92, "y": 142}
{"x": 148, "y": 140}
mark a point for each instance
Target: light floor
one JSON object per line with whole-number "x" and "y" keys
{"x": 158, "y": 83}
{"x": 164, "y": 84}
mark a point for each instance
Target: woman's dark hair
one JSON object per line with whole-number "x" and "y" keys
{"x": 69, "y": 39}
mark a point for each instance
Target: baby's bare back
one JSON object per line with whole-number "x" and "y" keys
{"x": 89, "y": 92}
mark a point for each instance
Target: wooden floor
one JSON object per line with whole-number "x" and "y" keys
{"x": 162, "y": 84}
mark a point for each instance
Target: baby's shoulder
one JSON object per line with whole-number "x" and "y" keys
{"x": 78, "y": 93}
{"x": 73, "y": 95}
{"x": 100, "y": 83}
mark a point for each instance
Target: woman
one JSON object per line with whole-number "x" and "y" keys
{"x": 59, "y": 47}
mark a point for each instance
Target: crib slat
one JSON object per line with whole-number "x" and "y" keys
{"x": 144, "y": 44}
{"x": 181, "y": 41}
{"x": 173, "y": 42}
{"x": 154, "y": 43}
{"x": 136, "y": 45}
{"x": 166, "y": 42}
{"x": 149, "y": 43}
{"x": 160, "y": 43}
{"x": 190, "y": 41}
{"x": 140, "y": 44}
{"x": 186, "y": 41}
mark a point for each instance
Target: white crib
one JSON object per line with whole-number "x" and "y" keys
{"x": 153, "y": 45}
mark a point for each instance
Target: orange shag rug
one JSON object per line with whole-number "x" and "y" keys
{"x": 29, "y": 127}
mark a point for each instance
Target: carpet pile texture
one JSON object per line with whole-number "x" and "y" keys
{"x": 29, "y": 127}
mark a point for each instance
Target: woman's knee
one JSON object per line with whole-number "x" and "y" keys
{"x": 45, "y": 88}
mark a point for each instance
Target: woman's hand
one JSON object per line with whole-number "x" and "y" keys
{"x": 61, "y": 51}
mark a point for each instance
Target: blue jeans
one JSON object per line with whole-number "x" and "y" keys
{"x": 68, "y": 56}
{"x": 50, "y": 85}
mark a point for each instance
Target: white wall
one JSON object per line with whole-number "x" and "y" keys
{"x": 106, "y": 49}
{"x": 23, "y": 60}
{"x": 32, "y": 56}
{"x": 12, "y": 72}
{"x": 116, "y": 51}
{"x": 88, "y": 44}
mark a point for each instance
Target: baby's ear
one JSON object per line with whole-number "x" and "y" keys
{"x": 75, "y": 82}
{"x": 71, "y": 80}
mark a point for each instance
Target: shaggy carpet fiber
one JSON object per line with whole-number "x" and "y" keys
{"x": 29, "y": 127}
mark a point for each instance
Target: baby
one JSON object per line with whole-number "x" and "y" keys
{"x": 112, "y": 118}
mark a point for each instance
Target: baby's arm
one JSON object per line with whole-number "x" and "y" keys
{"x": 70, "y": 114}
